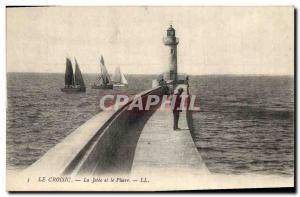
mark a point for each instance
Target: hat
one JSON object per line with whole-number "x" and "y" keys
{"x": 180, "y": 90}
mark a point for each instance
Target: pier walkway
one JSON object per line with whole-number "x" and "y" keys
{"x": 160, "y": 149}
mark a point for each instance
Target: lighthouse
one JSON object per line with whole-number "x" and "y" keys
{"x": 171, "y": 42}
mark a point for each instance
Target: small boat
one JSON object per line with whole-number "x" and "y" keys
{"x": 119, "y": 78}
{"x": 73, "y": 82}
{"x": 103, "y": 80}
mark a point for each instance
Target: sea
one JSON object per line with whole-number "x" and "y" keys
{"x": 245, "y": 124}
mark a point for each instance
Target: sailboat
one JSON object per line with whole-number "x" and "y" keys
{"x": 119, "y": 78}
{"x": 103, "y": 80}
{"x": 73, "y": 82}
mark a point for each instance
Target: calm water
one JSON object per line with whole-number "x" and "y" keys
{"x": 245, "y": 124}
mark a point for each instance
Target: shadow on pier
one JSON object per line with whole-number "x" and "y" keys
{"x": 112, "y": 149}
{"x": 120, "y": 154}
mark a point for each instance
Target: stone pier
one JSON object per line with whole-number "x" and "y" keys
{"x": 131, "y": 144}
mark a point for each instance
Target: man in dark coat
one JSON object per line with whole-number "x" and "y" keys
{"x": 176, "y": 109}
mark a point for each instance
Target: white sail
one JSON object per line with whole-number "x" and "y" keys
{"x": 118, "y": 77}
{"x": 123, "y": 79}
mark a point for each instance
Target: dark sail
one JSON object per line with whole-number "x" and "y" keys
{"x": 104, "y": 76}
{"x": 78, "y": 76}
{"x": 102, "y": 60}
{"x": 69, "y": 81}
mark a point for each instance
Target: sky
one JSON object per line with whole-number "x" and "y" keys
{"x": 212, "y": 40}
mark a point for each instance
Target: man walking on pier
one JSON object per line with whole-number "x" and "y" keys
{"x": 176, "y": 109}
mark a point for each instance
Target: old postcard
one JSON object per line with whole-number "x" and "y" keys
{"x": 149, "y": 98}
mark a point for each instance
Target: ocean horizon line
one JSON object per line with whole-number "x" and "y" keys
{"x": 246, "y": 75}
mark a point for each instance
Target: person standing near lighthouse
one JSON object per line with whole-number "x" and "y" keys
{"x": 176, "y": 108}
